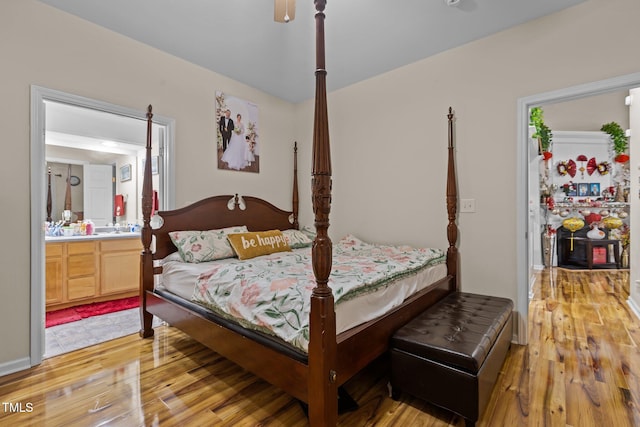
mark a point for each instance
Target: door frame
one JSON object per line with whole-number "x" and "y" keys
{"x": 628, "y": 81}
{"x": 38, "y": 195}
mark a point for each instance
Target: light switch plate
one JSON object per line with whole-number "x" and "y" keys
{"x": 467, "y": 205}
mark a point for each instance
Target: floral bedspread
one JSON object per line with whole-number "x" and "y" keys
{"x": 271, "y": 293}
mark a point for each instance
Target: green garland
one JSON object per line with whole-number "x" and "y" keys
{"x": 543, "y": 132}
{"x": 619, "y": 139}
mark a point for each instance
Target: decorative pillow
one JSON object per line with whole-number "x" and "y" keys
{"x": 296, "y": 238}
{"x": 309, "y": 231}
{"x": 251, "y": 245}
{"x": 203, "y": 246}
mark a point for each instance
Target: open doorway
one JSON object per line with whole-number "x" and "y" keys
{"x": 578, "y": 175}
{"x": 80, "y": 133}
{"x": 525, "y": 206}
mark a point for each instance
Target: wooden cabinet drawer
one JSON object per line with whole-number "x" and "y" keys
{"x": 120, "y": 245}
{"x": 81, "y": 247}
{"x": 81, "y": 287}
{"x": 81, "y": 265}
{"x": 53, "y": 249}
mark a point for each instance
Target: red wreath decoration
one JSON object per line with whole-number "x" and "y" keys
{"x": 604, "y": 168}
{"x": 568, "y": 167}
{"x": 592, "y": 166}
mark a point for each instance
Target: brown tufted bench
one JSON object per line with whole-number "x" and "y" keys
{"x": 451, "y": 354}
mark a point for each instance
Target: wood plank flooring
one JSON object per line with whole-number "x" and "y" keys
{"x": 581, "y": 368}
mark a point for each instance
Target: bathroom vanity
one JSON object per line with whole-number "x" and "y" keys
{"x": 85, "y": 269}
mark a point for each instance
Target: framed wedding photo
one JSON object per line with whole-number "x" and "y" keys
{"x": 125, "y": 173}
{"x": 238, "y": 143}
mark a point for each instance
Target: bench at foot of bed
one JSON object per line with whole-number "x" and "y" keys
{"x": 451, "y": 354}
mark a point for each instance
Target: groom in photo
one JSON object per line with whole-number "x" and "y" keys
{"x": 226, "y": 127}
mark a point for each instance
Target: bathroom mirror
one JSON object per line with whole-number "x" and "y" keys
{"x": 86, "y": 150}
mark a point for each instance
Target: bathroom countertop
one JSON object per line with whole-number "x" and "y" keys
{"x": 95, "y": 236}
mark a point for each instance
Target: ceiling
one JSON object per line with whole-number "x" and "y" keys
{"x": 364, "y": 38}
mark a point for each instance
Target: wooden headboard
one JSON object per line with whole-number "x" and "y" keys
{"x": 220, "y": 212}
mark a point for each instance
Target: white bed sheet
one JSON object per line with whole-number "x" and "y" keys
{"x": 179, "y": 278}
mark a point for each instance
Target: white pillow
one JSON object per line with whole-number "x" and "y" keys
{"x": 296, "y": 238}
{"x": 203, "y": 246}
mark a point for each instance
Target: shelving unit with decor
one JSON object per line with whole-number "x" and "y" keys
{"x": 582, "y": 179}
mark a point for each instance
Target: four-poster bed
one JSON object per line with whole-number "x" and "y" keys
{"x": 331, "y": 358}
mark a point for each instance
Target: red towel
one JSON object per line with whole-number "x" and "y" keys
{"x": 118, "y": 205}
{"x": 155, "y": 206}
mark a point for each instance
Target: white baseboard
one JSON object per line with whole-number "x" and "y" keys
{"x": 14, "y": 366}
{"x": 634, "y": 307}
{"x": 532, "y": 282}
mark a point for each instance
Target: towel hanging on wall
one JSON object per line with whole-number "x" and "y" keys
{"x": 118, "y": 205}
{"x": 155, "y": 206}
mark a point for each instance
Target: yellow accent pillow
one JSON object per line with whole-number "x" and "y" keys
{"x": 253, "y": 244}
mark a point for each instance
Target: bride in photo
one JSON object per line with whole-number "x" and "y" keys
{"x": 235, "y": 156}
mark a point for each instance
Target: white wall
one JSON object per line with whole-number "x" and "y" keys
{"x": 40, "y": 45}
{"x": 588, "y": 114}
{"x": 389, "y": 133}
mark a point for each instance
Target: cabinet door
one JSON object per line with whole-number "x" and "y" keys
{"x": 119, "y": 266}
{"x": 54, "y": 279}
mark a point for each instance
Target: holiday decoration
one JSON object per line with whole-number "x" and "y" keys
{"x": 592, "y": 166}
{"x": 568, "y": 167}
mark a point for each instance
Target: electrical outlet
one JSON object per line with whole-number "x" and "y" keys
{"x": 467, "y": 205}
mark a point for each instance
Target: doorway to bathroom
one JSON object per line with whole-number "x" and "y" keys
{"x": 72, "y": 137}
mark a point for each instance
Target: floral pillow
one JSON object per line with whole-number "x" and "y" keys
{"x": 296, "y": 238}
{"x": 203, "y": 246}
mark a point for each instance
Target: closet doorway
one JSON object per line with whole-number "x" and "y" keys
{"x": 78, "y": 133}
{"x": 528, "y": 201}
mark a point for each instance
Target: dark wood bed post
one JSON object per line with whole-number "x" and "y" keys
{"x": 322, "y": 387}
{"x": 294, "y": 198}
{"x": 49, "y": 194}
{"x": 146, "y": 257}
{"x": 452, "y": 205}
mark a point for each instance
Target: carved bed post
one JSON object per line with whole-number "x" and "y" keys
{"x": 294, "y": 199}
{"x": 49, "y": 219}
{"x": 323, "y": 400}
{"x": 146, "y": 257}
{"x": 452, "y": 205}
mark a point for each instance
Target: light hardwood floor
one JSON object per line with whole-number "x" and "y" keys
{"x": 580, "y": 369}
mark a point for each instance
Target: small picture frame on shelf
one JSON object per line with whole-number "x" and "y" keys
{"x": 583, "y": 189}
{"x": 125, "y": 173}
{"x": 594, "y": 189}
